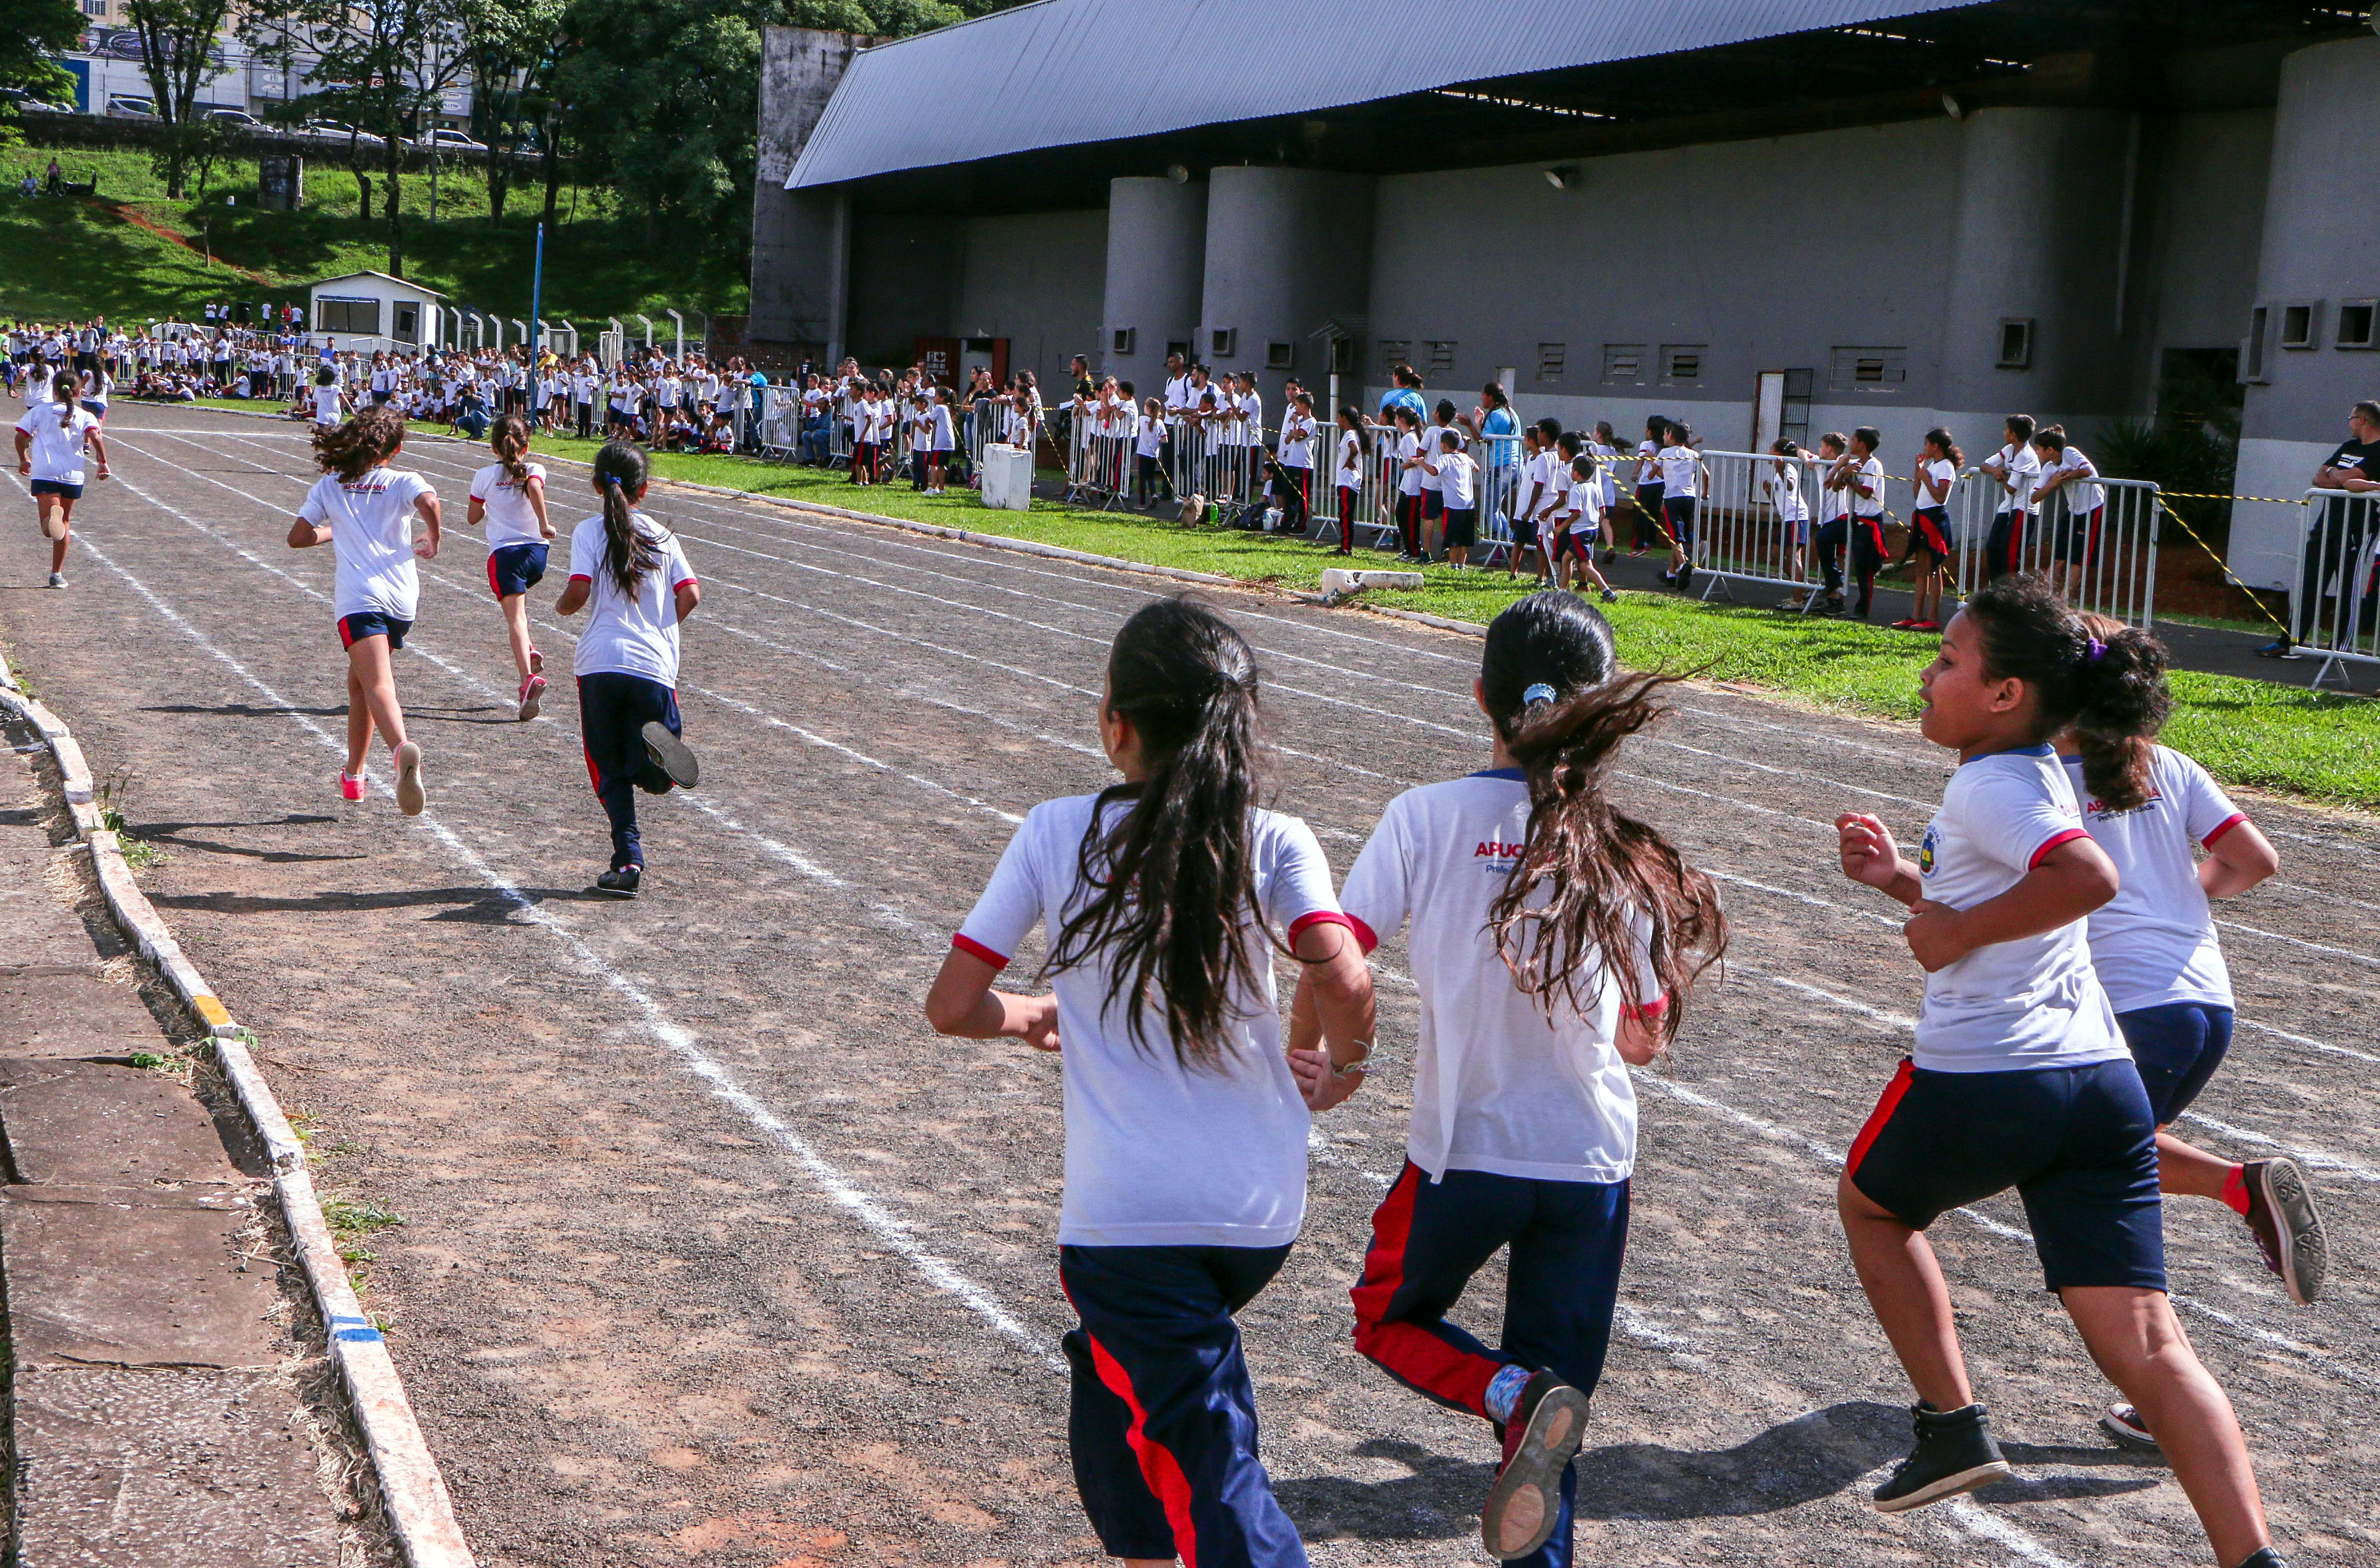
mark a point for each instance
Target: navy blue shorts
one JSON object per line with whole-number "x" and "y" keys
{"x": 354, "y": 629}
{"x": 57, "y": 488}
{"x": 2079, "y": 1144}
{"x": 515, "y": 568}
{"x": 2177, "y": 1047}
{"x": 1570, "y": 542}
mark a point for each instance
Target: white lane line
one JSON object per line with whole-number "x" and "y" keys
{"x": 888, "y": 1228}
{"x": 2300, "y": 942}
{"x": 2310, "y": 1045}
{"x": 2302, "y": 1153}
{"x": 1978, "y": 1520}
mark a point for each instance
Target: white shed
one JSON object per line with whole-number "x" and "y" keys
{"x": 372, "y": 311}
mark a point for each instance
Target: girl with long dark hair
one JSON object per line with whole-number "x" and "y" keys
{"x": 1354, "y": 450}
{"x": 2021, "y": 1076}
{"x": 509, "y": 496}
{"x": 635, "y": 574}
{"x": 1541, "y": 981}
{"x": 50, "y": 444}
{"x": 1165, "y": 898}
{"x": 1932, "y": 476}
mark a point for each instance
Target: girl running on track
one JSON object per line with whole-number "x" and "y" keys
{"x": 1541, "y": 981}
{"x": 1164, "y": 898}
{"x": 1935, "y": 471}
{"x": 364, "y": 510}
{"x": 2154, "y": 948}
{"x": 2020, "y": 1076}
{"x": 50, "y": 439}
{"x": 635, "y": 574}
{"x": 330, "y": 402}
{"x": 509, "y": 494}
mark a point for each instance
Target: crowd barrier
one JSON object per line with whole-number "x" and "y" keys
{"x": 2334, "y": 588}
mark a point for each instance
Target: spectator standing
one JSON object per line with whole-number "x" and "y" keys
{"x": 2344, "y": 533}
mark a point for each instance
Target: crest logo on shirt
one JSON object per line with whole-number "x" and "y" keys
{"x": 1925, "y": 853}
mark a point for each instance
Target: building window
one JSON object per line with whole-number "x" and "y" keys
{"x": 1395, "y": 352}
{"x": 1873, "y": 371}
{"x": 2301, "y": 323}
{"x": 1793, "y": 409}
{"x": 1624, "y": 364}
{"x": 2355, "y": 324}
{"x": 1441, "y": 354}
{"x": 1280, "y": 355}
{"x": 94, "y": 7}
{"x": 1121, "y": 343}
{"x": 1342, "y": 357}
{"x": 1550, "y": 361}
{"x": 2251, "y": 356}
{"x": 1681, "y": 364}
{"x": 352, "y": 316}
{"x": 2016, "y": 342}
{"x": 1223, "y": 343}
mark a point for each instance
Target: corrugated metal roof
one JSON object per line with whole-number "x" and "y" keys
{"x": 1059, "y": 73}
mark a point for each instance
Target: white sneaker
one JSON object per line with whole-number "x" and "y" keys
{"x": 58, "y": 579}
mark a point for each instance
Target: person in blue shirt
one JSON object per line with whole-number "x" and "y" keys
{"x": 1406, "y": 394}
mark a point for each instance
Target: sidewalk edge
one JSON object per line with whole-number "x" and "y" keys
{"x": 420, "y": 1512}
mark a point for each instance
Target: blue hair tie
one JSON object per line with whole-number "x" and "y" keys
{"x": 1541, "y": 693}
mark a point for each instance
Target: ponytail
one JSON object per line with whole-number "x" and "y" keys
{"x": 2101, "y": 678}
{"x": 1174, "y": 880}
{"x": 371, "y": 437}
{"x": 510, "y": 440}
{"x": 1940, "y": 437}
{"x": 1586, "y": 873}
{"x": 621, "y": 473}
{"x": 63, "y": 388}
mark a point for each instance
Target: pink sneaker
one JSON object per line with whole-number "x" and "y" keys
{"x": 532, "y": 692}
{"x": 350, "y": 786}
{"x": 536, "y": 662}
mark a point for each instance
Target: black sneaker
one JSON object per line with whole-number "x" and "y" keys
{"x": 621, "y": 882}
{"x": 2287, "y": 1226}
{"x": 1955, "y": 1454}
{"x": 669, "y": 754}
{"x": 2264, "y": 1557}
{"x": 1548, "y": 1421}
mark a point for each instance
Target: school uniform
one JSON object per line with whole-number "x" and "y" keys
{"x": 2154, "y": 943}
{"x": 1185, "y": 1189}
{"x": 1649, "y": 489}
{"x": 1458, "y": 483}
{"x": 1298, "y": 432}
{"x": 2020, "y": 1076}
{"x": 1409, "y": 486}
{"x": 326, "y": 406}
{"x": 1523, "y": 1126}
{"x": 1866, "y": 531}
{"x": 1582, "y": 516}
{"x": 1681, "y": 492}
{"x": 2082, "y": 509}
{"x": 374, "y": 588}
{"x": 1929, "y": 522}
{"x": 517, "y": 546}
{"x": 626, "y": 669}
{"x": 1782, "y": 485}
{"x": 1349, "y": 478}
{"x": 57, "y": 449}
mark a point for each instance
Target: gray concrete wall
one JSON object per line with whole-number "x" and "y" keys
{"x": 1034, "y": 280}
{"x": 905, "y": 274}
{"x": 1287, "y": 251}
{"x": 2206, "y": 231}
{"x": 800, "y": 242}
{"x": 1155, "y": 263}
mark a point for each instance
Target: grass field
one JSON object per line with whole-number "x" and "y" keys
{"x": 63, "y": 257}
{"x": 2322, "y": 746}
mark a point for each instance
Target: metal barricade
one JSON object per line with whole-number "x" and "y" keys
{"x": 2334, "y": 588}
{"x": 2100, "y": 557}
{"x": 1098, "y": 455}
{"x": 1745, "y": 528}
{"x": 781, "y": 422}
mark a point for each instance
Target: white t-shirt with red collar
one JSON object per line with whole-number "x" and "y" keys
{"x": 1498, "y": 1085}
{"x": 2154, "y": 942}
{"x": 1160, "y": 1154}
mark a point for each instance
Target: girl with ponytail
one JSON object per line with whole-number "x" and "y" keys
{"x": 1164, "y": 899}
{"x": 1555, "y": 941}
{"x": 635, "y": 574}
{"x": 50, "y": 444}
{"x": 2021, "y": 1076}
{"x": 509, "y": 494}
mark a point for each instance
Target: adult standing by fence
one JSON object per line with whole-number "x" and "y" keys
{"x": 2341, "y": 535}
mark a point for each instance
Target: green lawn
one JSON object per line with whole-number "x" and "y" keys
{"x": 2324, "y": 747}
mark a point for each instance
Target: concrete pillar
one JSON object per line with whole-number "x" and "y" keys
{"x": 1156, "y": 256}
{"x": 801, "y": 240}
{"x": 1287, "y": 249}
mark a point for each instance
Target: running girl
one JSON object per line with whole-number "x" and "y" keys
{"x": 1354, "y": 450}
{"x": 1935, "y": 471}
{"x": 635, "y": 574}
{"x": 509, "y": 494}
{"x": 1539, "y": 986}
{"x": 50, "y": 439}
{"x": 364, "y": 510}
{"x": 2020, "y": 1076}
{"x": 1164, "y": 898}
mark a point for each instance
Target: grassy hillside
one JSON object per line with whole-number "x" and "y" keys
{"x": 68, "y": 258}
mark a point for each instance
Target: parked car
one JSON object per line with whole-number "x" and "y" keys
{"x": 239, "y": 119}
{"x": 24, "y": 103}
{"x": 123, "y": 106}
{"x": 446, "y": 141}
{"x": 337, "y": 130}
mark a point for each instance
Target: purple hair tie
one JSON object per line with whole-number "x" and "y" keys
{"x": 2094, "y": 650}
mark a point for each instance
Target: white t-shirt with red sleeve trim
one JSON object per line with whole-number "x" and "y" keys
{"x": 2035, "y": 1002}
{"x": 1160, "y": 1154}
{"x": 2154, "y": 942}
{"x": 630, "y": 635}
{"x": 1498, "y": 1086}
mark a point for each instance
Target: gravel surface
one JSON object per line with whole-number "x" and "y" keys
{"x": 711, "y": 1249}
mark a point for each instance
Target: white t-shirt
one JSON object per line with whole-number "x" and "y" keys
{"x": 1351, "y": 460}
{"x": 2082, "y": 496}
{"x": 1457, "y": 476}
{"x": 1942, "y": 471}
{"x": 1150, "y": 441}
{"x": 1426, "y": 445}
{"x": 1871, "y": 474}
{"x": 1680, "y": 472}
{"x": 58, "y": 443}
{"x": 625, "y": 636}
{"x": 1607, "y": 468}
{"x": 510, "y": 521}
{"x": 1585, "y": 501}
{"x": 2024, "y": 471}
{"x": 1648, "y": 465}
{"x": 2153, "y": 942}
{"x": 1498, "y": 1085}
{"x": 1297, "y": 439}
{"x": 1159, "y": 1154}
{"x": 371, "y": 533}
{"x": 2033, "y": 1002}
{"x": 1782, "y": 483}
{"x": 1408, "y": 479}
{"x": 326, "y": 405}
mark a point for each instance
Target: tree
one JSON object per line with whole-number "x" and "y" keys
{"x": 514, "y": 47}
{"x": 179, "y": 53}
{"x": 32, "y": 31}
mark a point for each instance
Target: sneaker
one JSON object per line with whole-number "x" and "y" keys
{"x": 621, "y": 881}
{"x": 669, "y": 754}
{"x": 1926, "y": 626}
{"x": 1685, "y": 577}
{"x": 532, "y": 693}
{"x": 1668, "y": 577}
{"x": 1796, "y": 602}
{"x": 2124, "y": 1424}
{"x": 2287, "y": 1226}
{"x": 2278, "y": 649}
{"x": 58, "y": 579}
{"x": 1611, "y": 596}
{"x": 2264, "y": 1557}
{"x": 1904, "y": 625}
{"x": 1549, "y": 1420}
{"x": 1955, "y": 1454}
{"x": 1610, "y": 556}
{"x": 536, "y": 662}
{"x": 410, "y": 797}
{"x": 351, "y": 786}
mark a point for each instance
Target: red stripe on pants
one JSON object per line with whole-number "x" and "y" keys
{"x": 1886, "y": 1104}
{"x": 1408, "y": 1353}
{"x": 1158, "y": 1466}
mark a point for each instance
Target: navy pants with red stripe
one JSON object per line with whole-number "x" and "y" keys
{"x": 614, "y": 708}
{"x": 1429, "y": 1237}
{"x": 1164, "y": 1422}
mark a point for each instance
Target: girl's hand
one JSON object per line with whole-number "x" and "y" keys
{"x": 1935, "y": 935}
{"x": 1869, "y": 854}
{"x": 1316, "y": 1085}
{"x": 1037, "y": 1024}
{"x": 426, "y": 546}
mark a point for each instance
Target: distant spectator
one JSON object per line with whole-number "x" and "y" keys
{"x": 2344, "y": 530}
{"x": 1406, "y": 393}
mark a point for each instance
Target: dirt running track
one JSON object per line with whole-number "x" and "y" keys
{"x": 713, "y": 1250}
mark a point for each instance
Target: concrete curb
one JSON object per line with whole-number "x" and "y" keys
{"x": 413, "y": 1494}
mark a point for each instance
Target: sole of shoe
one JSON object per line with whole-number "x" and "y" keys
{"x": 532, "y": 697}
{"x": 2127, "y": 1431}
{"x": 2305, "y": 1248}
{"x": 675, "y": 759}
{"x": 616, "y": 892}
{"x": 53, "y": 525}
{"x": 1526, "y": 1502}
{"x": 1948, "y": 1487}
{"x": 410, "y": 796}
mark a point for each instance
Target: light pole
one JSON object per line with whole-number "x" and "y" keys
{"x": 537, "y": 297}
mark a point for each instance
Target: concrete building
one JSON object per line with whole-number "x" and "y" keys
{"x": 1779, "y": 217}
{"x": 369, "y": 311}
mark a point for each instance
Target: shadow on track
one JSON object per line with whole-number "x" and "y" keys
{"x": 479, "y": 905}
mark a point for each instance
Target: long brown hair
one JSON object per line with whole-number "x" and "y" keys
{"x": 621, "y": 472}
{"x": 1173, "y": 881}
{"x": 509, "y": 439}
{"x": 370, "y": 436}
{"x": 1586, "y": 873}
{"x": 2103, "y": 678}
